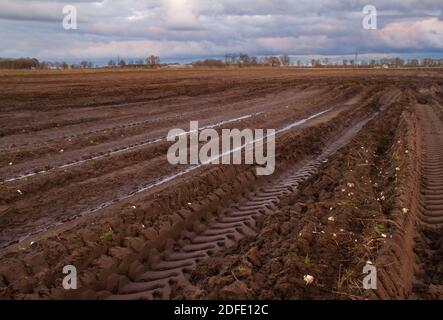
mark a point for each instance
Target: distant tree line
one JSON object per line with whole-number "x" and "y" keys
{"x": 230, "y": 60}
{"x": 398, "y": 62}
{"x": 32, "y": 63}
{"x": 21, "y": 63}
{"x": 245, "y": 60}
{"x": 209, "y": 63}
{"x": 151, "y": 61}
{"x": 395, "y": 62}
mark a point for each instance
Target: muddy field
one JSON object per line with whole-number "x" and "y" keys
{"x": 84, "y": 181}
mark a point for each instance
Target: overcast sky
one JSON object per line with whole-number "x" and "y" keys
{"x": 191, "y": 29}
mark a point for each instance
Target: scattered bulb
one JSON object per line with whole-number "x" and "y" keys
{"x": 308, "y": 279}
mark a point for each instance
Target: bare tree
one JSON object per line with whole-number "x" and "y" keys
{"x": 399, "y": 62}
{"x": 244, "y": 59}
{"x": 413, "y": 63}
{"x": 285, "y": 60}
{"x": 84, "y": 64}
{"x": 153, "y": 61}
{"x": 226, "y": 58}
{"x": 316, "y": 63}
{"x": 271, "y": 61}
{"x": 231, "y": 58}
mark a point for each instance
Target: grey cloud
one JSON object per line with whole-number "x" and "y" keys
{"x": 177, "y": 28}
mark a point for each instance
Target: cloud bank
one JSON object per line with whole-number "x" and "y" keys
{"x": 186, "y": 29}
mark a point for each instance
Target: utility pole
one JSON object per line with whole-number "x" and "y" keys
{"x": 356, "y": 58}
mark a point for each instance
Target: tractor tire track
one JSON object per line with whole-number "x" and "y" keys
{"x": 236, "y": 222}
{"x": 429, "y": 246}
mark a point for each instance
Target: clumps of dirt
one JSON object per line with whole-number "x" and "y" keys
{"x": 424, "y": 98}
{"x": 316, "y": 246}
{"x": 429, "y": 248}
{"x": 105, "y": 245}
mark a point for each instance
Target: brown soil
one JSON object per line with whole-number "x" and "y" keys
{"x": 83, "y": 172}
